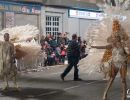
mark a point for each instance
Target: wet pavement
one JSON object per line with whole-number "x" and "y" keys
{"x": 47, "y": 85}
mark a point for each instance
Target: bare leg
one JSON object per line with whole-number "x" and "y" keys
{"x": 6, "y": 82}
{"x": 107, "y": 88}
{"x": 15, "y": 82}
{"x": 123, "y": 72}
{"x": 113, "y": 73}
{"x": 104, "y": 72}
{"x": 105, "y": 75}
{"x": 124, "y": 89}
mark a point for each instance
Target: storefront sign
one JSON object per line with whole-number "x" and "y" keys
{"x": 40, "y": 1}
{"x": 20, "y": 8}
{"x": 85, "y": 14}
{"x": 92, "y": 15}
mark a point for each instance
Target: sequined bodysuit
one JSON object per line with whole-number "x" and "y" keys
{"x": 119, "y": 57}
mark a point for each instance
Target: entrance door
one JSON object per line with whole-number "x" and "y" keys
{"x": 53, "y": 23}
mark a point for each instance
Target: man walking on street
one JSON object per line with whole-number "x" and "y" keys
{"x": 73, "y": 54}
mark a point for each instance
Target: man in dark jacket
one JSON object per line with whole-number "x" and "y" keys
{"x": 73, "y": 54}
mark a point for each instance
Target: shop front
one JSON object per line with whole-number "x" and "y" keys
{"x": 83, "y": 20}
{"x": 1, "y": 20}
{"x": 56, "y": 17}
{"x": 17, "y": 14}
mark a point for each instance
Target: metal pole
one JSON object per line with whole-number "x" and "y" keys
{"x": 79, "y": 26}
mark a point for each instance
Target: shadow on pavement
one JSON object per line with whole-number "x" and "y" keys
{"x": 38, "y": 94}
{"x": 54, "y": 80}
{"x": 39, "y": 79}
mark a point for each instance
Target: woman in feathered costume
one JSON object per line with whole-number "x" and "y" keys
{"x": 117, "y": 57}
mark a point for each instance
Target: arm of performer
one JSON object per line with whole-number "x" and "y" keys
{"x": 125, "y": 35}
{"x": 127, "y": 50}
{"x": 102, "y": 47}
{"x": 13, "y": 53}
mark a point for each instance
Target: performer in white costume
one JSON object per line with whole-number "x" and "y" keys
{"x": 7, "y": 60}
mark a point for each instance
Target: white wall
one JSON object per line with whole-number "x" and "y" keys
{"x": 71, "y": 25}
{"x": 84, "y": 26}
{"x": 79, "y": 26}
{"x": 1, "y": 21}
{"x": 43, "y": 20}
{"x": 55, "y": 11}
{"x": 24, "y": 19}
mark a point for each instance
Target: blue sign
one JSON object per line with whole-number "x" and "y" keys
{"x": 20, "y": 8}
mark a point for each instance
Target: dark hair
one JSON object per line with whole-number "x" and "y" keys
{"x": 79, "y": 38}
{"x": 74, "y": 36}
{"x": 58, "y": 33}
{"x": 6, "y": 34}
{"x": 84, "y": 41}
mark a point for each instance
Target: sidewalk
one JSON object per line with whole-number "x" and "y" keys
{"x": 41, "y": 68}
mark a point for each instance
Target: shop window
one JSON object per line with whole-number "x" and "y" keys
{"x": 52, "y": 25}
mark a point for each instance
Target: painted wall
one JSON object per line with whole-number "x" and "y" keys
{"x": 54, "y": 12}
{"x": 70, "y": 25}
{"x": 73, "y": 25}
{"x": 24, "y": 19}
{"x": 84, "y": 25}
{"x": 79, "y": 26}
{"x": 1, "y": 21}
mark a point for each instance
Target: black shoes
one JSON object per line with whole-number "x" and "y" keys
{"x": 62, "y": 77}
{"x": 77, "y": 79}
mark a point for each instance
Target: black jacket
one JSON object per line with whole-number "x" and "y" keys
{"x": 73, "y": 49}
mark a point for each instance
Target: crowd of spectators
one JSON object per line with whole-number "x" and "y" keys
{"x": 55, "y": 48}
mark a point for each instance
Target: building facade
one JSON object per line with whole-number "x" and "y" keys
{"x": 54, "y": 20}
{"x": 17, "y": 13}
{"x": 57, "y": 16}
{"x": 50, "y": 16}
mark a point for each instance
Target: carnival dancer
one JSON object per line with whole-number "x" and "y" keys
{"x": 118, "y": 60}
{"x": 8, "y": 68}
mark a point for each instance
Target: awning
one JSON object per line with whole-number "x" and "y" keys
{"x": 75, "y": 4}
{"x": 26, "y": 1}
{"x": 72, "y": 4}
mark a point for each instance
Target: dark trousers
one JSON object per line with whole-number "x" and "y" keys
{"x": 62, "y": 58}
{"x": 72, "y": 62}
{"x": 50, "y": 61}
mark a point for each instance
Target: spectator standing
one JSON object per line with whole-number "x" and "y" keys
{"x": 73, "y": 54}
{"x": 63, "y": 53}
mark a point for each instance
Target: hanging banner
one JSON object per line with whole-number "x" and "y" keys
{"x": 9, "y": 19}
